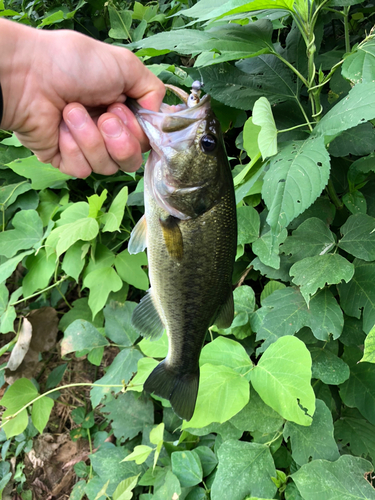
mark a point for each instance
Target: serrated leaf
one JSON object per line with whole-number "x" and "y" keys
{"x": 248, "y": 466}
{"x": 113, "y": 218}
{"x": 227, "y": 352}
{"x": 41, "y": 411}
{"x": 119, "y": 372}
{"x": 312, "y": 237}
{"x": 359, "y": 294}
{"x": 327, "y": 367}
{"x": 315, "y": 272}
{"x": 187, "y": 468}
{"x": 295, "y": 179}
{"x": 282, "y": 379}
{"x": 263, "y": 117}
{"x": 42, "y": 175}
{"x": 315, "y": 441}
{"x": 248, "y": 224}
{"x": 360, "y": 66}
{"x": 27, "y": 232}
{"x": 129, "y": 268}
{"x": 101, "y": 283}
{"x": 139, "y": 455}
{"x": 222, "y": 393}
{"x": 359, "y": 236}
{"x": 80, "y": 336}
{"x": 323, "y": 480}
{"x": 358, "y": 141}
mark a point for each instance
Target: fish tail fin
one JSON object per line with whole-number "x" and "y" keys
{"x": 180, "y": 389}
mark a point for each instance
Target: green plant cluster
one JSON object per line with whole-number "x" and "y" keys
{"x": 286, "y": 404}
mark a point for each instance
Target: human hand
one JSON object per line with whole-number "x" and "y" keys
{"x": 64, "y": 94}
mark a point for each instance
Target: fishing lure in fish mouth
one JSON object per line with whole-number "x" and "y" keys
{"x": 190, "y": 231}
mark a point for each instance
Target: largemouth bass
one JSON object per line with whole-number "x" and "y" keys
{"x": 190, "y": 230}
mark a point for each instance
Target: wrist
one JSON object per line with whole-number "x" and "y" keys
{"x": 16, "y": 57}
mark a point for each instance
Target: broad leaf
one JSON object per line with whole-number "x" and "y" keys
{"x": 356, "y": 433}
{"x": 118, "y": 325}
{"x": 101, "y": 283}
{"x": 282, "y": 379}
{"x": 327, "y": 367}
{"x": 248, "y": 224}
{"x": 187, "y": 467}
{"x": 227, "y": 352}
{"x": 358, "y": 141}
{"x": 139, "y": 455}
{"x": 266, "y": 247}
{"x": 80, "y": 310}
{"x": 315, "y": 272}
{"x": 120, "y": 23}
{"x": 81, "y": 336}
{"x": 81, "y": 229}
{"x": 129, "y": 268}
{"x": 8, "y": 267}
{"x": 113, "y": 218}
{"x": 42, "y": 175}
{"x": 294, "y": 180}
{"x": 315, "y": 441}
{"x": 248, "y": 466}
{"x": 74, "y": 260}
{"x": 323, "y": 480}
{"x": 359, "y": 236}
{"x": 222, "y": 393}
{"x": 359, "y": 294}
{"x": 263, "y": 117}
{"x": 156, "y": 348}
{"x": 369, "y": 351}
{"x": 360, "y": 66}
{"x": 312, "y": 237}
{"x": 41, "y": 412}
{"x": 27, "y": 232}
{"x": 40, "y": 271}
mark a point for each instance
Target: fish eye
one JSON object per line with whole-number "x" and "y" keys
{"x": 208, "y": 143}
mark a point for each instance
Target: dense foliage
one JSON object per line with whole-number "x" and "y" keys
{"x": 286, "y": 405}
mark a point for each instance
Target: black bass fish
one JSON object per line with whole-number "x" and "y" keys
{"x": 190, "y": 230}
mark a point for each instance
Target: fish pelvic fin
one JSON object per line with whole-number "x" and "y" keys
{"x": 138, "y": 238}
{"x": 173, "y": 237}
{"x": 146, "y": 319}
{"x": 180, "y": 389}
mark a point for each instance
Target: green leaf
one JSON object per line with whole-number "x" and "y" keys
{"x": 327, "y": 367}
{"x": 145, "y": 367}
{"x": 207, "y": 458}
{"x": 157, "y": 433}
{"x": 41, "y": 269}
{"x": 315, "y": 441}
{"x": 271, "y": 287}
{"x": 359, "y": 236}
{"x": 129, "y": 268}
{"x": 80, "y": 310}
{"x": 248, "y": 224}
{"x": 359, "y": 67}
{"x": 222, "y": 393}
{"x": 248, "y": 466}
{"x": 294, "y": 180}
{"x": 139, "y": 455}
{"x": 120, "y": 21}
{"x": 101, "y": 283}
{"x": 81, "y": 336}
{"x": 263, "y": 117}
{"x": 369, "y": 351}
{"x": 9, "y": 194}
{"x": 119, "y": 372}
{"x": 96, "y": 203}
{"x": 124, "y": 489}
{"x": 129, "y": 414}
{"x": 16, "y": 425}
{"x": 19, "y": 394}
{"x": 323, "y": 480}
{"x": 358, "y": 141}
{"x": 312, "y": 237}
{"x": 187, "y": 467}
{"x": 359, "y": 390}
{"x": 250, "y": 138}
{"x": 27, "y": 232}
{"x": 156, "y": 348}
{"x": 81, "y": 229}
{"x": 42, "y": 175}
{"x": 74, "y": 261}
{"x": 355, "y": 202}
{"x": 315, "y": 272}
{"x": 113, "y": 218}
{"x": 266, "y": 247}
{"x": 41, "y": 411}
{"x": 356, "y": 433}
{"x": 357, "y": 107}
{"x": 118, "y": 325}
{"x": 360, "y": 293}
{"x": 282, "y": 379}
{"x": 169, "y": 489}
{"x": 257, "y": 416}
{"x": 227, "y": 352}
{"x": 9, "y": 266}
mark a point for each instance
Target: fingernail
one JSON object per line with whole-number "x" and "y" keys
{"x": 64, "y": 127}
{"x": 120, "y": 113}
{"x": 112, "y": 128}
{"x": 77, "y": 117}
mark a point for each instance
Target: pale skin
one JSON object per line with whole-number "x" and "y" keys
{"x": 64, "y": 97}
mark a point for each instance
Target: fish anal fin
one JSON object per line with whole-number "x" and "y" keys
{"x": 138, "y": 238}
{"x": 225, "y": 315}
{"x": 180, "y": 389}
{"x": 146, "y": 319}
{"x": 173, "y": 237}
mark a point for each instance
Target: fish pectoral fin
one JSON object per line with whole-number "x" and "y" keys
{"x": 173, "y": 237}
{"x": 146, "y": 319}
{"x": 180, "y": 389}
{"x": 138, "y": 238}
{"x": 225, "y": 314}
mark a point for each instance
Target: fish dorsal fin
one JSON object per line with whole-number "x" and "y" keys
{"x": 225, "y": 315}
{"x": 138, "y": 238}
{"x": 173, "y": 237}
{"x": 146, "y": 319}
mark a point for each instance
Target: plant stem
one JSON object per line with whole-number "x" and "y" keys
{"x": 40, "y": 292}
{"x": 290, "y": 66}
{"x": 346, "y": 28}
{"x": 333, "y": 195}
